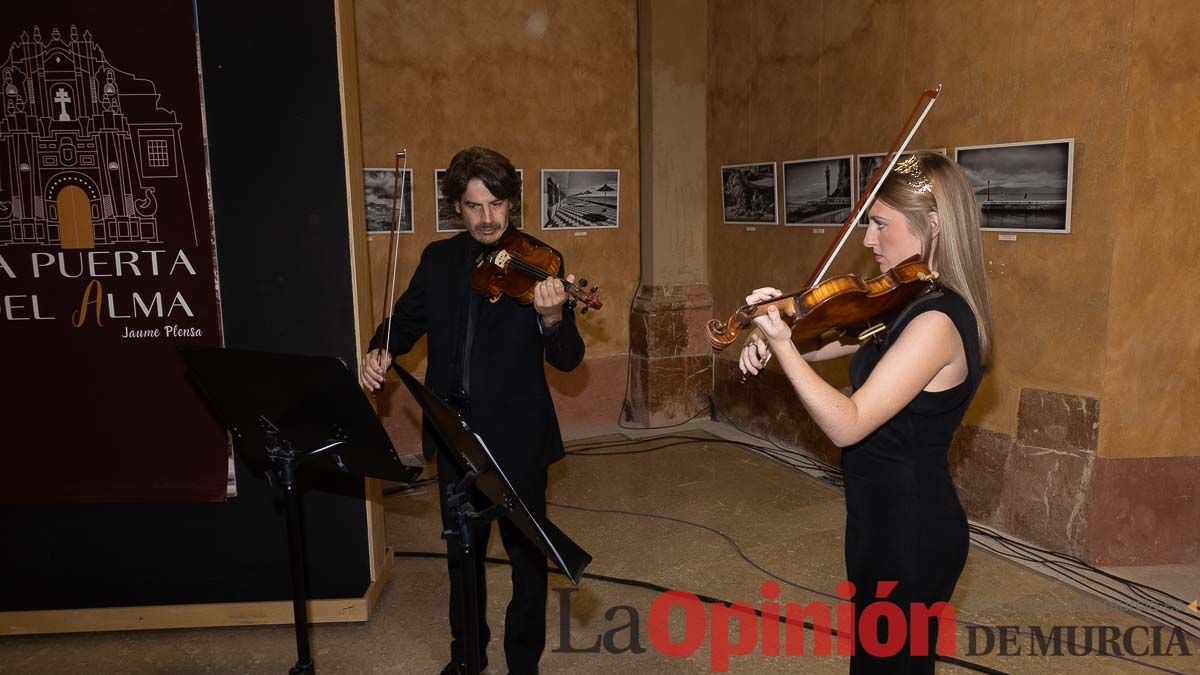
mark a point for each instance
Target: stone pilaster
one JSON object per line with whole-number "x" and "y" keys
{"x": 670, "y": 359}
{"x": 1049, "y": 471}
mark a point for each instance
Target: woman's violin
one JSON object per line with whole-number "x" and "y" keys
{"x": 515, "y": 267}
{"x": 844, "y": 301}
{"x": 834, "y": 304}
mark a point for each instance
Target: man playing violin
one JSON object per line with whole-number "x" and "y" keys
{"x": 486, "y": 359}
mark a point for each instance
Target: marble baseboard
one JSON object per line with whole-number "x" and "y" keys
{"x": 670, "y": 360}
{"x": 1044, "y": 484}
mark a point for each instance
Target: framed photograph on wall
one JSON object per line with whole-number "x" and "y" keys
{"x": 818, "y": 192}
{"x": 379, "y": 184}
{"x": 1022, "y": 187}
{"x": 868, "y": 163}
{"x": 579, "y": 199}
{"x": 448, "y": 220}
{"x": 748, "y": 194}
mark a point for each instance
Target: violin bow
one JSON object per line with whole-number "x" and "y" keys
{"x": 868, "y": 194}
{"x": 394, "y": 247}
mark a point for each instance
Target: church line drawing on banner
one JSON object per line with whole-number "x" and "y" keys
{"x": 86, "y": 153}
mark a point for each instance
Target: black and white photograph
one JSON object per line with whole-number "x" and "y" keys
{"x": 580, "y": 198}
{"x": 748, "y": 194}
{"x": 1022, "y": 187}
{"x": 868, "y": 163}
{"x": 379, "y": 185}
{"x": 448, "y": 220}
{"x": 818, "y": 191}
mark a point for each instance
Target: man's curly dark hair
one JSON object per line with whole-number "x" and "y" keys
{"x": 489, "y": 166}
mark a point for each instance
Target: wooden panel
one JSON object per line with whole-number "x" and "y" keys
{"x": 339, "y": 610}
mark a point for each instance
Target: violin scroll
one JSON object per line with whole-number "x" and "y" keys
{"x": 722, "y": 334}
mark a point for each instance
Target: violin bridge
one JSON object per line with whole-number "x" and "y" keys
{"x": 501, "y": 259}
{"x": 871, "y": 332}
{"x": 932, "y": 276}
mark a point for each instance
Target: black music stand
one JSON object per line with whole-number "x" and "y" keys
{"x": 481, "y": 471}
{"x": 289, "y": 411}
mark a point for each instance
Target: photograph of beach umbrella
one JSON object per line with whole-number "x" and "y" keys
{"x": 580, "y": 198}
{"x": 1022, "y": 187}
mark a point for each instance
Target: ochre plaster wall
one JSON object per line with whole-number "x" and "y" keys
{"x": 795, "y": 80}
{"x": 673, "y": 99}
{"x": 549, "y": 84}
{"x": 1151, "y": 388}
{"x": 553, "y": 85}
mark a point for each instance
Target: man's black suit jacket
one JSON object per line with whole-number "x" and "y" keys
{"x": 510, "y": 404}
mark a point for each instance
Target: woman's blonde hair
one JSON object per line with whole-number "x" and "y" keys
{"x": 929, "y": 182}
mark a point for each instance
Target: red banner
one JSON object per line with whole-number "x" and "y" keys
{"x": 107, "y": 256}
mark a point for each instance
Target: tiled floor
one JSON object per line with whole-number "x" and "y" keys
{"x": 747, "y": 520}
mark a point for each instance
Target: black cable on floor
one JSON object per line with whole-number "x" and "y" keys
{"x": 752, "y": 563}
{"x": 773, "y": 453}
{"x": 1137, "y": 598}
{"x": 795, "y": 459}
{"x": 708, "y": 599}
{"x": 737, "y": 548}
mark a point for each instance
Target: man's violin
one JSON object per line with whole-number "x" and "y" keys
{"x": 515, "y": 267}
{"x": 847, "y": 300}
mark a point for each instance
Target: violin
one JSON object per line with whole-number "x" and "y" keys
{"x": 840, "y": 302}
{"x": 515, "y": 267}
{"x": 834, "y": 304}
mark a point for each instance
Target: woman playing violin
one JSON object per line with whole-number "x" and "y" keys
{"x": 911, "y": 388}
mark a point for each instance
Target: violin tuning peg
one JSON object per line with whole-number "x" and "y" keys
{"x": 584, "y": 310}
{"x": 595, "y": 289}
{"x": 582, "y": 283}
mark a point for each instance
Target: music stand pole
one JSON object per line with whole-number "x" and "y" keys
{"x": 458, "y": 497}
{"x": 283, "y": 465}
{"x": 483, "y": 474}
{"x": 325, "y": 424}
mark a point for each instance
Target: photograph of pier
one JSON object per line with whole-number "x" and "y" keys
{"x": 817, "y": 191}
{"x": 1023, "y": 187}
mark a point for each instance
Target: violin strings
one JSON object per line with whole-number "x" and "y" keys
{"x": 538, "y": 273}
{"x": 529, "y": 269}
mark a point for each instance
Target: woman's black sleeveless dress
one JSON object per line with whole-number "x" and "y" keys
{"x": 904, "y": 521}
